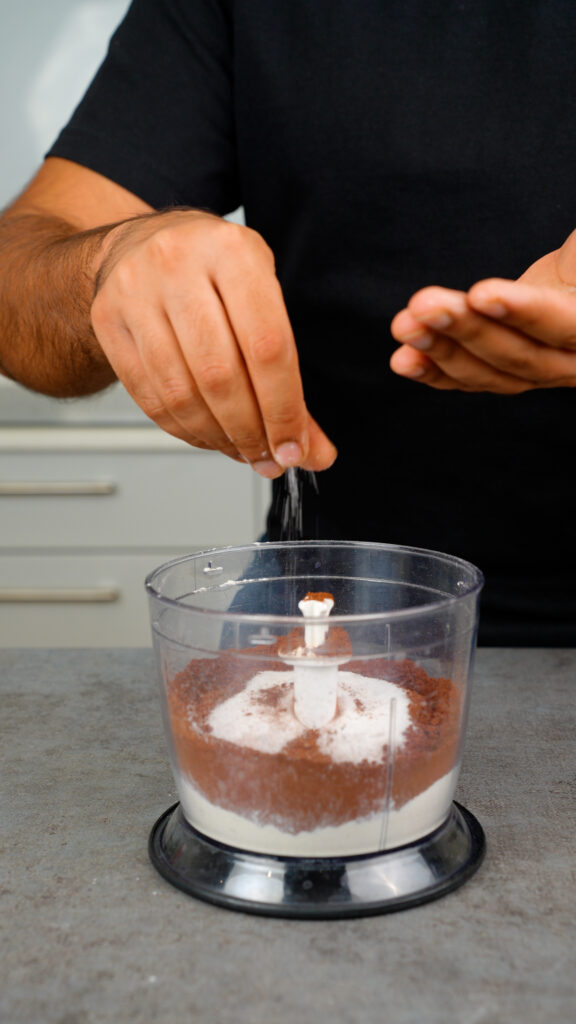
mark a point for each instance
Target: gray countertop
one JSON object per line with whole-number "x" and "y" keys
{"x": 91, "y": 933}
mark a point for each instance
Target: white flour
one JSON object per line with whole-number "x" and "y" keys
{"x": 384, "y": 831}
{"x": 358, "y": 732}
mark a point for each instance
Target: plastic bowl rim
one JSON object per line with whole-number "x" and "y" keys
{"x": 266, "y": 618}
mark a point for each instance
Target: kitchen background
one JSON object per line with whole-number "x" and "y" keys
{"x": 92, "y": 495}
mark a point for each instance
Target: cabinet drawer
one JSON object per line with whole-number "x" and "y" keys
{"x": 183, "y": 499}
{"x": 76, "y": 601}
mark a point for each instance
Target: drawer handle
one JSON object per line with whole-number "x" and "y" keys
{"x": 43, "y": 488}
{"x": 58, "y": 595}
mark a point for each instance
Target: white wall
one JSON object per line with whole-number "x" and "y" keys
{"x": 49, "y": 50}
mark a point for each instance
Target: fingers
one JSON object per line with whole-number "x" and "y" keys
{"x": 208, "y": 367}
{"x": 545, "y": 314}
{"x": 471, "y": 351}
{"x": 259, "y": 323}
{"x": 146, "y": 388}
{"x": 321, "y": 452}
{"x": 191, "y": 317}
{"x": 449, "y": 367}
{"x": 441, "y": 334}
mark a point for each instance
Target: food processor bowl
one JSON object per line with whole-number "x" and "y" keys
{"x": 315, "y": 696}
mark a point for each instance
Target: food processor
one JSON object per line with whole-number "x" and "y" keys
{"x": 315, "y": 697}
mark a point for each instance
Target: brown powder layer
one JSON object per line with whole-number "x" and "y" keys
{"x": 301, "y": 788}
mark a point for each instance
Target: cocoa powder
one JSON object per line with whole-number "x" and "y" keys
{"x": 301, "y": 788}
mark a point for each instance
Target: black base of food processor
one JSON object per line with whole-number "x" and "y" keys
{"x": 317, "y": 887}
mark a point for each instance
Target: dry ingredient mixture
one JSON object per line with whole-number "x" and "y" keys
{"x": 302, "y": 787}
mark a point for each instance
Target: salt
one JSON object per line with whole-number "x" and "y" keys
{"x": 291, "y": 518}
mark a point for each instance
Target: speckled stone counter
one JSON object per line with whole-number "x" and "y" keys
{"x": 90, "y": 932}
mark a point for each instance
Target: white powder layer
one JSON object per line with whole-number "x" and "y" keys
{"x": 418, "y": 817}
{"x": 371, "y": 714}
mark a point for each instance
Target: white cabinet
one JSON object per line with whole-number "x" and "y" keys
{"x": 86, "y": 513}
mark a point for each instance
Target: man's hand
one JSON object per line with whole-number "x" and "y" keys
{"x": 502, "y": 336}
{"x": 190, "y": 315}
{"x": 183, "y": 307}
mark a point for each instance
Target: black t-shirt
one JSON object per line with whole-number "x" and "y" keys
{"x": 379, "y": 147}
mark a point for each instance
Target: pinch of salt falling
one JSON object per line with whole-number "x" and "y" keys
{"x": 292, "y": 519}
{"x": 315, "y": 680}
{"x": 292, "y": 506}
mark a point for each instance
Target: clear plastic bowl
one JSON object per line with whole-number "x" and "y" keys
{"x": 296, "y": 743}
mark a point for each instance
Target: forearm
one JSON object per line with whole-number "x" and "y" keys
{"x": 47, "y": 272}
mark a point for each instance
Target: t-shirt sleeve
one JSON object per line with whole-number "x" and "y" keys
{"x": 158, "y": 118}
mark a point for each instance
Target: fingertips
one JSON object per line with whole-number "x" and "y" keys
{"x": 543, "y": 314}
{"x": 407, "y": 361}
{"x": 437, "y": 307}
{"x": 319, "y": 454}
{"x": 406, "y": 329}
{"x": 491, "y": 298}
{"x": 267, "y": 468}
{"x": 290, "y": 453}
{"x": 518, "y": 302}
{"x": 431, "y": 311}
{"x": 322, "y": 453}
